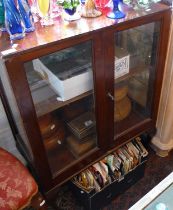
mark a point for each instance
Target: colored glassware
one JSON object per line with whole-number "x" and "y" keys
{"x": 70, "y": 10}
{"x": 34, "y": 10}
{"x": 101, "y": 4}
{"x": 13, "y": 21}
{"x": 55, "y": 9}
{"x": 44, "y": 7}
{"x": 2, "y": 18}
{"x": 116, "y": 13}
{"x": 1, "y": 12}
{"x": 26, "y": 15}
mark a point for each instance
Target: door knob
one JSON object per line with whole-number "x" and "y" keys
{"x": 110, "y": 96}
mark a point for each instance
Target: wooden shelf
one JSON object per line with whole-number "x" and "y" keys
{"x": 133, "y": 119}
{"x": 52, "y": 103}
{"x": 63, "y": 157}
{"x": 139, "y": 69}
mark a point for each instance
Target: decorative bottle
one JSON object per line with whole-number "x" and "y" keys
{"x": 26, "y": 15}
{"x": 13, "y": 21}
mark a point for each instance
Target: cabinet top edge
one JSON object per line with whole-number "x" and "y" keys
{"x": 62, "y": 30}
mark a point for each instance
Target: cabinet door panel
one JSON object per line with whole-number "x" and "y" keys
{"x": 62, "y": 90}
{"x": 134, "y": 75}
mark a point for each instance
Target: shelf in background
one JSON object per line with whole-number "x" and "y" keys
{"x": 132, "y": 120}
{"x": 60, "y": 158}
{"x": 52, "y": 103}
{"x": 136, "y": 70}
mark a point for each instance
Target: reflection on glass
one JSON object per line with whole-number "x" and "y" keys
{"x": 135, "y": 58}
{"x": 61, "y": 85}
{"x": 163, "y": 200}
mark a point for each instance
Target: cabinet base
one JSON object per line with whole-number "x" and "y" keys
{"x": 161, "y": 149}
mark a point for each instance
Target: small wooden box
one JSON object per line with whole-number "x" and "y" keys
{"x": 82, "y": 125}
{"x": 80, "y": 148}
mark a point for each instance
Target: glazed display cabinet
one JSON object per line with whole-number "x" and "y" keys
{"x": 84, "y": 88}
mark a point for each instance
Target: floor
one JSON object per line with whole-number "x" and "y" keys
{"x": 157, "y": 168}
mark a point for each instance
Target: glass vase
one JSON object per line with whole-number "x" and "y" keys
{"x": 71, "y": 10}
{"x": 115, "y": 13}
{"x": 13, "y": 21}
{"x": 26, "y": 15}
{"x": 34, "y": 10}
{"x": 55, "y": 9}
{"x": 1, "y": 12}
{"x": 44, "y": 8}
{"x": 2, "y": 19}
{"x": 101, "y": 4}
{"x": 71, "y": 14}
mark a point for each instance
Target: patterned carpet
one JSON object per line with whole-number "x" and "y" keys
{"x": 157, "y": 168}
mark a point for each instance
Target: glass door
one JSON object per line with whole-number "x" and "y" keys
{"x": 61, "y": 86}
{"x": 134, "y": 75}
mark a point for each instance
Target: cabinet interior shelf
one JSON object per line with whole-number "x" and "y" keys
{"x": 64, "y": 158}
{"x": 138, "y": 69}
{"x": 51, "y": 104}
{"x": 133, "y": 119}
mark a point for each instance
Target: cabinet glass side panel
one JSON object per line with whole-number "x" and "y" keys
{"x": 61, "y": 86}
{"x": 134, "y": 75}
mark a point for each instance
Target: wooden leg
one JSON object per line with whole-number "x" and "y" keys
{"x": 38, "y": 202}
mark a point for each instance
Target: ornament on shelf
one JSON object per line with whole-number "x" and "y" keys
{"x": 89, "y": 9}
{"x": 71, "y": 9}
{"x": 44, "y": 10}
{"x": 34, "y": 10}
{"x": 55, "y": 9}
{"x": 13, "y": 21}
{"x": 2, "y": 18}
{"x": 25, "y": 12}
{"x": 116, "y": 13}
{"x": 1, "y": 12}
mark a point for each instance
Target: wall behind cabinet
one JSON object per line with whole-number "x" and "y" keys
{"x": 6, "y": 137}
